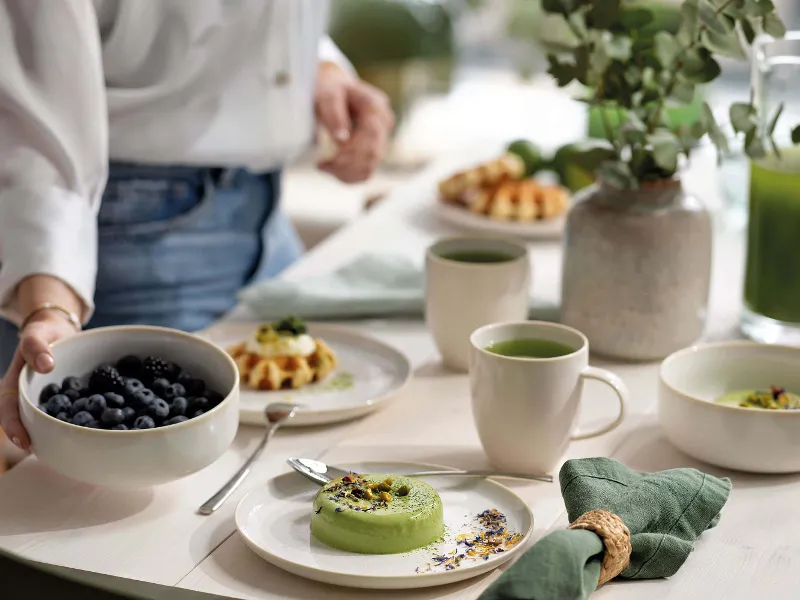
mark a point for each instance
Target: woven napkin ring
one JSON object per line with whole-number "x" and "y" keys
{"x": 616, "y": 538}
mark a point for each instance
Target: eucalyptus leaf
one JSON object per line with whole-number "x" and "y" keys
{"x": 796, "y": 135}
{"x": 683, "y": 92}
{"x": 690, "y": 22}
{"x": 774, "y": 26}
{"x": 577, "y": 23}
{"x": 633, "y": 19}
{"x": 618, "y": 174}
{"x": 665, "y": 149}
{"x": 753, "y": 146}
{"x": 728, "y": 44}
{"x": 714, "y": 132}
{"x": 698, "y": 69}
{"x": 590, "y": 154}
{"x": 757, "y": 8}
{"x": 563, "y": 72}
{"x": 554, "y": 6}
{"x": 742, "y": 117}
{"x": 712, "y": 20}
{"x": 618, "y": 47}
{"x": 748, "y": 31}
{"x": 687, "y": 138}
{"x": 667, "y": 48}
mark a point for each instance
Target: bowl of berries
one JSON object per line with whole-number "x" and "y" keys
{"x": 131, "y": 406}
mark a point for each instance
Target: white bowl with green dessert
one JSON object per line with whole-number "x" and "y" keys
{"x": 734, "y": 404}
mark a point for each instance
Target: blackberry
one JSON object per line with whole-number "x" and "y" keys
{"x": 48, "y": 392}
{"x": 71, "y": 383}
{"x": 178, "y": 406}
{"x": 153, "y": 368}
{"x": 105, "y": 378}
{"x": 130, "y": 366}
{"x": 175, "y": 420}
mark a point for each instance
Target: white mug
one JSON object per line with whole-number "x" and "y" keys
{"x": 461, "y": 296}
{"x": 525, "y": 408}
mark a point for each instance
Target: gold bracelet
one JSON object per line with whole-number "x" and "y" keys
{"x": 70, "y": 316}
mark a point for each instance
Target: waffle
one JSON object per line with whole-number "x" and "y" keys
{"x": 283, "y": 372}
{"x": 522, "y": 201}
{"x": 507, "y": 167}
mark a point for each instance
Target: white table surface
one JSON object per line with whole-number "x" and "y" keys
{"x": 156, "y": 536}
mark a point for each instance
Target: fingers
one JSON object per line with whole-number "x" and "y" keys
{"x": 35, "y": 348}
{"x": 364, "y": 99}
{"x": 358, "y": 159}
{"x": 9, "y": 406}
{"x": 333, "y": 113}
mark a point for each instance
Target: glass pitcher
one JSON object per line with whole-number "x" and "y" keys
{"x": 772, "y": 280}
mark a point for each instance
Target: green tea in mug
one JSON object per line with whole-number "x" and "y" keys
{"x": 477, "y": 256}
{"x": 529, "y": 348}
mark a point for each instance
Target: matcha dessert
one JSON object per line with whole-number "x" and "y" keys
{"x": 776, "y": 398}
{"x": 377, "y": 514}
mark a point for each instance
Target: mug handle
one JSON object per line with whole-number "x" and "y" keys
{"x": 619, "y": 387}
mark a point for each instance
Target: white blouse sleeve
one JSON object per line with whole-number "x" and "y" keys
{"x": 53, "y": 145}
{"x": 329, "y": 52}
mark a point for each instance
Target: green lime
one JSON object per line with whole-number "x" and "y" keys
{"x": 572, "y": 175}
{"x": 530, "y": 154}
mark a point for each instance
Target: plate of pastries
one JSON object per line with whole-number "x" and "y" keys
{"x": 498, "y": 196}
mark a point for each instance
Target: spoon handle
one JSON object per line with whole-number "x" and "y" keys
{"x": 218, "y": 499}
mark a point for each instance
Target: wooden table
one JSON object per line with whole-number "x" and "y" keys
{"x": 155, "y": 535}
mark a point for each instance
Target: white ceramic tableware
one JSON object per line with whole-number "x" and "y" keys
{"x": 525, "y": 408}
{"x": 746, "y": 439}
{"x": 137, "y": 458}
{"x": 369, "y": 374}
{"x": 274, "y": 519}
{"x": 462, "y": 296}
{"x": 530, "y": 230}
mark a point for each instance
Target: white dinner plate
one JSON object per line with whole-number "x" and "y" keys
{"x": 369, "y": 373}
{"x": 464, "y": 219}
{"x": 275, "y": 519}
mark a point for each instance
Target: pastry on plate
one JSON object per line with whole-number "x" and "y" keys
{"x": 282, "y": 355}
{"x": 524, "y": 201}
{"x": 507, "y": 167}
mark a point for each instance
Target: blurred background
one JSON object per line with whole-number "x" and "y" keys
{"x": 461, "y": 74}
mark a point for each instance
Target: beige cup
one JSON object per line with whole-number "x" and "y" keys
{"x": 525, "y": 408}
{"x": 462, "y": 296}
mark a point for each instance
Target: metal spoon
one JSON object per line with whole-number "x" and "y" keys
{"x": 277, "y": 414}
{"x": 320, "y": 473}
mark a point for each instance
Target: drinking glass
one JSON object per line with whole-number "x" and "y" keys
{"x": 772, "y": 280}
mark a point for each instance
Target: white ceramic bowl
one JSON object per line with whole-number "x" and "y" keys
{"x": 745, "y": 439}
{"x": 132, "y": 458}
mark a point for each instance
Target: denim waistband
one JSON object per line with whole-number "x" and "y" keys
{"x": 189, "y": 174}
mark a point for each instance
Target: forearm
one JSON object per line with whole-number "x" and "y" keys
{"x": 36, "y": 290}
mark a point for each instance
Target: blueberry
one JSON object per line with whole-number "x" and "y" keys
{"x": 95, "y": 424}
{"x": 144, "y": 422}
{"x": 174, "y": 391}
{"x": 78, "y": 406}
{"x": 160, "y": 386}
{"x": 198, "y": 413}
{"x": 73, "y": 395}
{"x": 112, "y": 416}
{"x": 178, "y": 406}
{"x": 71, "y": 383}
{"x": 82, "y": 419}
{"x": 96, "y": 405}
{"x": 129, "y": 413}
{"x": 119, "y": 428}
{"x": 48, "y": 392}
{"x": 62, "y": 416}
{"x": 142, "y": 399}
{"x": 114, "y": 400}
{"x": 175, "y": 420}
{"x": 196, "y": 404}
{"x": 192, "y": 385}
{"x": 159, "y": 410}
{"x": 214, "y": 397}
{"x": 58, "y": 404}
{"x": 131, "y": 387}
{"x": 130, "y": 366}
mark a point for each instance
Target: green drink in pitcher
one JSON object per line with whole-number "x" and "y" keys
{"x": 772, "y": 283}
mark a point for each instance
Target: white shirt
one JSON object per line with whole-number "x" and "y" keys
{"x": 197, "y": 82}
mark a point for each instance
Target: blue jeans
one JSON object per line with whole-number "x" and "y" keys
{"x": 177, "y": 243}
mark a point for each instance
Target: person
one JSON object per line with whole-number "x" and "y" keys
{"x": 140, "y": 153}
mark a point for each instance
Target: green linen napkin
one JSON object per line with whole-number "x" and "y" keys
{"x": 665, "y": 513}
{"x": 372, "y": 285}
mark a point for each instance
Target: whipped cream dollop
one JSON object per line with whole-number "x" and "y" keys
{"x": 269, "y": 343}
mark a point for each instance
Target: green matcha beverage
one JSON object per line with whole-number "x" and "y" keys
{"x": 530, "y": 348}
{"x": 477, "y": 256}
{"x": 772, "y": 287}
